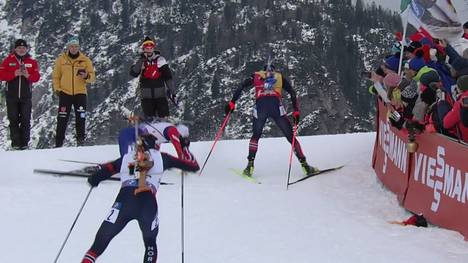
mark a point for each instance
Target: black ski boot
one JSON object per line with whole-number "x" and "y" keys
{"x": 248, "y": 171}
{"x": 308, "y": 170}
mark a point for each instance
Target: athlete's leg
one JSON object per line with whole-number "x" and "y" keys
{"x": 149, "y": 225}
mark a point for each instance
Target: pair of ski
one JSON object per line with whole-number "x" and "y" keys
{"x": 76, "y": 173}
{"x": 255, "y": 181}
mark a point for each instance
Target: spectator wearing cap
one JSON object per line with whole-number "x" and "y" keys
{"x": 396, "y": 107}
{"x": 73, "y": 71}
{"x": 417, "y": 69}
{"x": 452, "y": 118}
{"x": 438, "y": 62}
{"x": 156, "y": 84}
{"x": 391, "y": 63}
{"x": 406, "y": 87}
{"x": 20, "y": 71}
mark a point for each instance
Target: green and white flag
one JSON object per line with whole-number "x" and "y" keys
{"x": 438, "y": 17}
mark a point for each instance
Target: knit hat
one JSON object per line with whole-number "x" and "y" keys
{"x": 20, "y": 43}
{"x": 462, "y": 83}
{"x": 392, "y": 63}
{"x": 392, "y": 80}
{"x": 148, "y": 42}
{"x": 416, "y": 63}
{"x": 465, "y": 26}
{"x": 73, "y": 40}
{"x": 429, "y": 77}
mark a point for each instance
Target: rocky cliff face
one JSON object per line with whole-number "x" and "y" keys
{"x": 321, "y": 46}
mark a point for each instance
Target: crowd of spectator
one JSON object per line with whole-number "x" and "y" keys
{"x": 428, "y": 90}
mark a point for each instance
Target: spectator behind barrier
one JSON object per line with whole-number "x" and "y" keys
{"x": 395, "y": 106}
{"x": 438, "y": 62}
{"x": 452, "y": 119}
{"x": 458, "y": 63}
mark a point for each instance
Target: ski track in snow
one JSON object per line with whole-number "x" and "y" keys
{"x": 335, "y": 217}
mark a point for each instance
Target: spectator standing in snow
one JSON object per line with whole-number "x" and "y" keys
{"x": 73, "y": 70}
{"x": 156, "y": 84}
{"x": 20, "y": 71}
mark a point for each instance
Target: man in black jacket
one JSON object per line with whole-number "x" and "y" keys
{"x": 156, "y": 82}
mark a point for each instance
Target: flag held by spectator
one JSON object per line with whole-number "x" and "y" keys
{"x": 438, "y": 17}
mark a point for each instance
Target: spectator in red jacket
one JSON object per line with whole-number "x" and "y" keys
{"x": 19, "y": 70}
{"x": 452, "y": 118}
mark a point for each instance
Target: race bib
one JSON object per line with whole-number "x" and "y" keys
{"x": 113, "y": 214}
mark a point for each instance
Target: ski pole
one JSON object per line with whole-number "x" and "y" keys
{"x": 182, "y": 232}
{"x": 218, "y": 135}
{"x": 73, "y": 225}
{"x": 291, "y": 153}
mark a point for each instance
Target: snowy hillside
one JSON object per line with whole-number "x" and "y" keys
{"x": 211, "y": 45}
{"x": 336, "y": 217}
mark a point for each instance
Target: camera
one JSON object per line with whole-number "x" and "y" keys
{"x": 80, "y": 71}
{"x": 23, "y": 67}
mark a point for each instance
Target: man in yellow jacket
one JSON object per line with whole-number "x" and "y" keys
{"x": 73, "y": 70}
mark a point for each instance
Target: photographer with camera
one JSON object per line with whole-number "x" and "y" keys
{"x": 156, "y": 84}
{"x": 19, "y": 70}
{"x": 73, "y": 70}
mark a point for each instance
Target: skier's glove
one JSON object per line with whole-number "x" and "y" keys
{"x": 230, "y": 107}
{"x": 296, "y": 116}
{"x": 95, "y": 177}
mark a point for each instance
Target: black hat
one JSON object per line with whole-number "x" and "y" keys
{"x": 413, "y": 46}
{"x": 465, "y": 26}
{"x": 462, "y": 83}
{"x": 429, "y": 77}
{"x": 20, "y": 43}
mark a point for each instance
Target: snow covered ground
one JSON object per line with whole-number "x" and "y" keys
{"x": 337, "y": 217}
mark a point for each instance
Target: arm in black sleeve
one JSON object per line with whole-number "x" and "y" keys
{"x": 170, "y": 87}
{"x": 166, "y": 73}
{"x": 458, "y": 62}
{"x": 170, "y": 161}
{"x": 105, "y": 171}
{"x": 135, "y": 69}
{"x": 246, "y": 83}
{"x": 289, "y": 89}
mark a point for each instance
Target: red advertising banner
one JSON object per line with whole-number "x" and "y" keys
{"x": 391, "y": 160}
{"x": 434, "y": 182}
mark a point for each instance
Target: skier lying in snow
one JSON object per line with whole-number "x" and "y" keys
{"x": 131, "y": 204}
{"x": 268, "y": 85}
